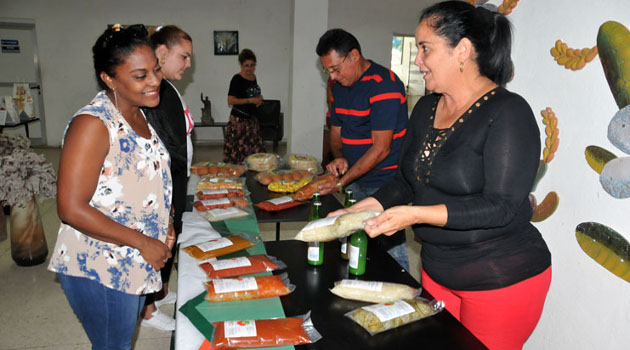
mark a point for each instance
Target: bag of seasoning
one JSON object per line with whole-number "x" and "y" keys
{"x": 374, "y": 292}
{"x": 247, "y": 334}
{"x": 221, "y": 246}
{"x": 246, "y": 265}
{"x": 381, "y": 317}
{"x": 247, "y": 288}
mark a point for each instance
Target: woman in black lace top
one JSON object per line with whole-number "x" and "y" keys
{"x": 467, "y": 166}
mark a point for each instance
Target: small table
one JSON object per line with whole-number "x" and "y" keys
{"x": 260, "y": 193}
{"x": 221, "y": 125}
{"x": 22, "y": 122}
{"x": 441, "y": 331}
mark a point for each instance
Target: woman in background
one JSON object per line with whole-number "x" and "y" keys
{"x": 242, "y": 134}
{"x": 114, "y": 194}
{"x": 173, "y": 123}
{"x": 467, "y": 165}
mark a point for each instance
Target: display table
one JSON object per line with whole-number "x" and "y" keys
{"x": 441, "y": 331}
{"x": 22, "y": 122}
{"x": 259, "y": 193}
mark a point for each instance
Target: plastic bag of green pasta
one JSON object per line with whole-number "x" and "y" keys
{"x": 381, "y": 317}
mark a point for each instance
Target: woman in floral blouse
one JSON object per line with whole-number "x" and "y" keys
{"x": 114, "y": 194}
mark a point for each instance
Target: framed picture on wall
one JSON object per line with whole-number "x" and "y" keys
{"x": 226, "y": 42}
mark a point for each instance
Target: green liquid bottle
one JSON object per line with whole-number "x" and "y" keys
{"x": 315, "y": 253}
{"x": 358, "y": 253}
{"x": 344, "y": 240}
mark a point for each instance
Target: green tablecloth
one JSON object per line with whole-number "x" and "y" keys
{"x": 202, "y": 313}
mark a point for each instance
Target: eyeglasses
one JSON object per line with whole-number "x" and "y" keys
{"x": 335, "y": 70}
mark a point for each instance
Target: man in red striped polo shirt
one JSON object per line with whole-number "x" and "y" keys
{"x": 368, "y": 123}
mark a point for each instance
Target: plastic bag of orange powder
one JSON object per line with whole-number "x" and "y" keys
{"x": 247, "y": 288}
{"x": 221, "y": 246}
{"x": 247, "y": 334}
{"x": 247, "y": 265}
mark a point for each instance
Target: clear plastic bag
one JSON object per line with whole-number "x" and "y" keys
{"x": 329, "y": 229}
{"x": 304, "y": 162}
{"x": 247, "y": 288}
{"x": 218, "y": 183}
{"x": 225, "y": 202}
{"x": 247, "y": 265}
{"x": 218, "y": 169}
{"x": 262, "y": 161}
{"x": 248, "y": 334}
{"x": 381, "y": 317}
{"x": 374, "y": 291}
{"x": 224, "y": 213}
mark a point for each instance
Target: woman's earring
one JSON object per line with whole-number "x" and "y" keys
{"x": 116, "y": 100}
{"x": 461, "y": 67}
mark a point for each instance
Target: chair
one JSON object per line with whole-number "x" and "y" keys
{"x": 271, "y": 121}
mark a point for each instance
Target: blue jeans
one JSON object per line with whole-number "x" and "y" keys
{"x": 394, "y": 244}
{"x": 109, "y": 317}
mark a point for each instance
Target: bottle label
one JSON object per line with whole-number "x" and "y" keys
{"x": 230, "y": 263}
{"x": 388, "y": 311}
{"x": 320, "y": 223}
{"x": 229, "y": 285}
{"x": 281, "y": 200}
{"x": 344, "y": 245}
{"x": 313, "y": 251}
{"x": 365, "y": 285}
{"x": 211, "y": 202}
{"x": 214, "y": 191}
{"x": 215, "y": 244}
{"x": 239, "y": 329}
{"x": 353, "y": 260}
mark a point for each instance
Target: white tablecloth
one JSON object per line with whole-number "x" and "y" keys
{"x": 190, "y": 278}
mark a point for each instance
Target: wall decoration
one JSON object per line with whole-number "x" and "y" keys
{"x": 549, "y": 205}
{"x": 613, "y": 41}
{"x": 574, "y": 59}
{"x": 225, "y": 42}
{"x": 605, "y": 246}
{"x": 507, "y": 6}
{"x": 546, "y": 208}
{"x": 597, "y": 157}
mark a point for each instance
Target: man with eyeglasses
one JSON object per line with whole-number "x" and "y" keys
{"x": 368, "y": 123}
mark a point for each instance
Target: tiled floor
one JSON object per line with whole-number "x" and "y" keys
{"x": 34, "y": 313}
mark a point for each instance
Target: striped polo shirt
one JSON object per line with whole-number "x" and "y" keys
{"x": 377, "y": 101}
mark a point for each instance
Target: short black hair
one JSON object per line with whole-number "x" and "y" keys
{"x": 112, "y": 49}
{"x": 490, "y": 33}
{"x": 339, "y": 40}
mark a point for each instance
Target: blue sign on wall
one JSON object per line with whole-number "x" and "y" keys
{"x": 10, "y": 46}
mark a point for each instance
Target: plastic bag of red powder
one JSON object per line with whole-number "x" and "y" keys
{"x": 247, "y": 288}
{"x": 277, "y": 204}
{"x": 247, "y": 334}
{"x": 246, "y": 265}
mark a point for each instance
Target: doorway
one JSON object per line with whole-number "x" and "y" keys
{"x": 404, "y": 52}
{"x": 19, "y": 63}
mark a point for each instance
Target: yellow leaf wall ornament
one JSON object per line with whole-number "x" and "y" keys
{"x": 551, "y": 130}
{"x": 574, "y": 59}
{"x": 507, "y": 6}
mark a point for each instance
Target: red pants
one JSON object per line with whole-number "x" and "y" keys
{"x": 501, "y": 318}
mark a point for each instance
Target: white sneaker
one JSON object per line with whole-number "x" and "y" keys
{"x": 159, "y": 320}
{"x": 170, "y": 298}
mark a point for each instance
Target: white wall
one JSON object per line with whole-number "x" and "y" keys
{"x": 587, "y": 307}
{"x": 67, "y": 30}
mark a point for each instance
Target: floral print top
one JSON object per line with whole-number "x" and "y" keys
{"x": 134, "y": 189}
